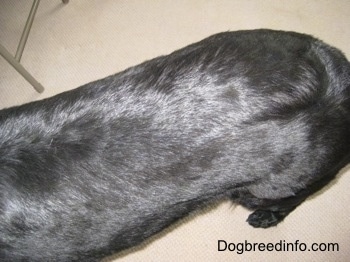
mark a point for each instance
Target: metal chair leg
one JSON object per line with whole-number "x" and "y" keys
{"x": 20, "y": 69}
{"x": 26, "y": 30}
{"x": 14, "y": 61}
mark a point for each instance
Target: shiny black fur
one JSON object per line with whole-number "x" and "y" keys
{"x": 261, "y": 117}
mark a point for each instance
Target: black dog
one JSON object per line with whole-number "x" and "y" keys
{"x": 261, "y": 117}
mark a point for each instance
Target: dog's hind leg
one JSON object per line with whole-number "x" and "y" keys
{"x": 268, "y": 212}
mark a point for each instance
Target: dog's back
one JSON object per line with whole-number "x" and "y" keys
{"x": 258, "y": 116}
